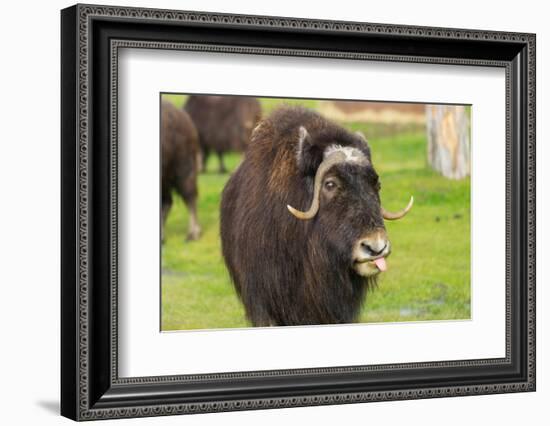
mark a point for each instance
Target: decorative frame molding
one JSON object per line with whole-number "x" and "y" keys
{"x": 91, "y": 388}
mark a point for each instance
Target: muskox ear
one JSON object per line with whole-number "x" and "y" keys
{"x": 308, "y": 155}
{"x": 361, "y": 135}
{"x": 363, "y": 139}
{"x": 303, "y": 135}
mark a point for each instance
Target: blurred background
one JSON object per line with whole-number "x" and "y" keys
{"x": 417, "y": 149}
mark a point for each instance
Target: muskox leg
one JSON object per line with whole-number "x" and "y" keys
{"x": 256, "y": 313}
{"x": 194, "y": 227}
{"x": 166, "y": 205}
{"x": 222, "y": 165}
{"x": 205, "y": 154}
{"x": 186, "y": 186}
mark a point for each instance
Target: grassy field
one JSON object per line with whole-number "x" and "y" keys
{"x": 428, "y": 275}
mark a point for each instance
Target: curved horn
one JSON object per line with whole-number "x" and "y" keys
{"x": 394, "y": 216}
{"x": 331, "y": 160}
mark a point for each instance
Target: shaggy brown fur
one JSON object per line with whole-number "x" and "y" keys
{"x": 289, "y": 271}
{"x": 224, "y": 123}
{"x": 181, "y": 160}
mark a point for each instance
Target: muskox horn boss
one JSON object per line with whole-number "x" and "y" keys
{"x": 331, "y": 160}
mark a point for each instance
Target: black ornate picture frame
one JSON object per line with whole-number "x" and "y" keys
{"x": 91, "y": 36}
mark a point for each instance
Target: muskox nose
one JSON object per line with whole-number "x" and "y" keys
{"x": 374, "y": 246}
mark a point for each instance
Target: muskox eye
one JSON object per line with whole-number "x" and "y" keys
{"x": 330, "y": 185}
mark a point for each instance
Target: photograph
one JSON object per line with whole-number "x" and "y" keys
{"x": 308, "y": 212}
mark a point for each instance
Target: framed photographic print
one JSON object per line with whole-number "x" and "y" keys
{"x": 263, "y": 212}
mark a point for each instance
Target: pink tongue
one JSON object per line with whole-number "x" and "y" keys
{"x": 381, "y": 263}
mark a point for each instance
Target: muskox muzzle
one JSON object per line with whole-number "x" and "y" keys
{"x": 370, "y": 252}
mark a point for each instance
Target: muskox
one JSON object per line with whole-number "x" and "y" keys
{"x": 302, "y": 227}
{"x": 180, "y": 163}
{"x": 224, "y": 123}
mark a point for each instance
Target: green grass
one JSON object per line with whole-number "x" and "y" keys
{"x": 429, "y": 269}
{"x": 196, "y": 291}
{"x": 428, "y": 275}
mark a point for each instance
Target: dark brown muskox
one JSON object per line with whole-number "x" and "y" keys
{"x": 293, "y": 267}
{"x": 181, "y": 161}
{"x": 224, "y": 123}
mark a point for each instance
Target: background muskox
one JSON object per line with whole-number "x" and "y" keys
{"x": 181, "y": 161}
{"x": 293, "y": 267}
{"x": 224, "y": 123}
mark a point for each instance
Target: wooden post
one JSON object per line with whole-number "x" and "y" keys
{"x": 448, "y": 129}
